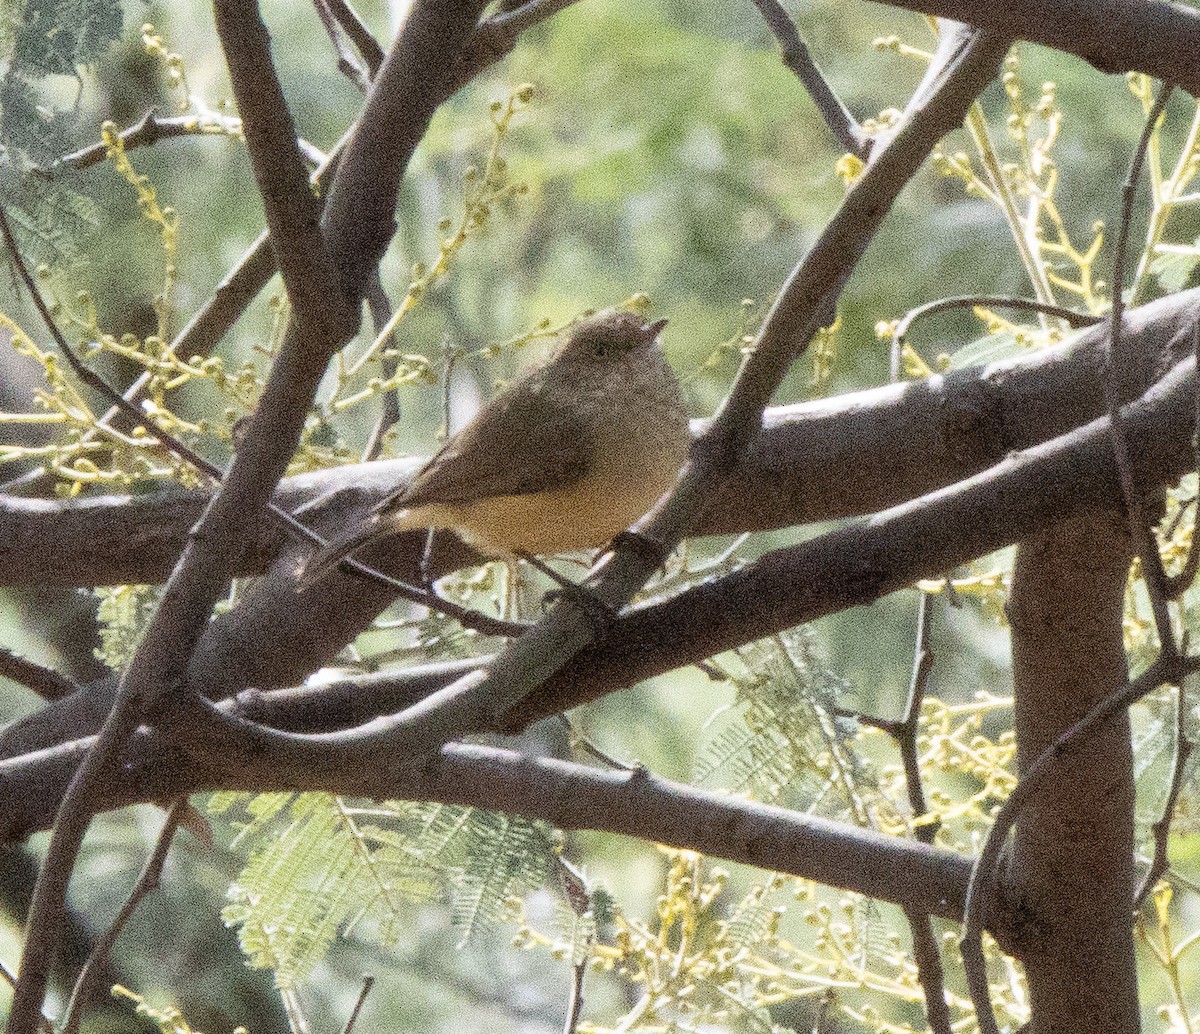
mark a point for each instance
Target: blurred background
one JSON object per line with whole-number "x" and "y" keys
{"x": 667, "y": 151}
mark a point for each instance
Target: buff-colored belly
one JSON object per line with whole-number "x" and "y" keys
{"x": 584, "y": 515}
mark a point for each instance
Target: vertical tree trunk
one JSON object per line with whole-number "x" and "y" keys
{"x": 1071, "y": 879}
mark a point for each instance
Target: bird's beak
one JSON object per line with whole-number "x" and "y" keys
{"x": 652, "y": 330}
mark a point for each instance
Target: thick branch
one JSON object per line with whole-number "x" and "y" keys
{"x": 280, "y": 171}
{"x": 1071, "y": 878}
{"x": 1158, "y": 38}
{"x": 854, "y": 565}
{"x": 415, "y": 77}
{"x": 900, "y": 441}
{"x": 571, "y": 796}
{"x": 851, "y": 566}
{"x": 862, "y": 562}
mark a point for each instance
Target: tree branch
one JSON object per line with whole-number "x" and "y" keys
{"x": 281, "y": 173}
{"x": 860, "y": 563}
{"x": 1160, "y": 38}
{"x": 45, "y": 682}
{"x": 1068, "y": 891}
{"x": 147, "y": 882}
{"x": 146, "y": 132}
{"x": 415, "y": 77}
{"x": 1145, "y": 542}
{"x": 900, "y": 441}
{"x": 788, "y": 587}
{"x": 796, "y": 57}
{"x": 477, "y": 701}
{"x": 156, "y": 679}
{"x": 632, "y": 803}
{"x": 276, "y": 643}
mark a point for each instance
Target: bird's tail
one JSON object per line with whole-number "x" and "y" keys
{"x": 335, "y": 551}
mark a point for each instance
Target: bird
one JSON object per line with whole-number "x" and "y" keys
{"x": 564, "y": 459}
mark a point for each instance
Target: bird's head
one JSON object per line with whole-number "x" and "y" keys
{"x": 609, "y": 337}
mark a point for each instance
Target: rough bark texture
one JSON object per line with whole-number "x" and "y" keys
{"x": 1072, "y": 878}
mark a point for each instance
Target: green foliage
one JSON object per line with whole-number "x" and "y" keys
{"x": 40, "y": 39}
{"x": 321, "y": 867}
{"x": 56, "y": 37}
{"x": 785, "y": 734}
{"x": 687, "y": 188}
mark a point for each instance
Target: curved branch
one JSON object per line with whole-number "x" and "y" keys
{"x": 860, "y": 563}
{"x": 571, "y": 796}
{"x": 853, "y": 565}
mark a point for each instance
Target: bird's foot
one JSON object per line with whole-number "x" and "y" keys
{"x": 642, "y": 544}
{"x": 599, "y": 613}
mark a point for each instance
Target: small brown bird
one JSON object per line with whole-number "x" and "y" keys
{"x": 573, "y": 452}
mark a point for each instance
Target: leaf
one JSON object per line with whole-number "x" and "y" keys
{"x": 989, "y": 349}
{"x": 324, "y": 867}
{"x": 1175, "y": 268}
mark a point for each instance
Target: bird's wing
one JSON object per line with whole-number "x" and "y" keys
{"x": 522, "y": 442}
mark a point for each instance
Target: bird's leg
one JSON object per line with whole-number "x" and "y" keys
{"x": 599, "y": 613}
{"x": 510, "y": 597}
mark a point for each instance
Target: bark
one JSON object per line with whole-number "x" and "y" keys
{"x": 1071, "y": 881}
{"x": 1157, "y": 38}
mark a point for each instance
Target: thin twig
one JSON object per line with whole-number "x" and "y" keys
{"x": 1162, "y": 828}
{"x": 83, "y": 372}
{"x": 1139, "y": 524}
{"x": 930, "y": 971}
{"x": 389, "y": 412}
{"x": 293, "y": 1009}
{"x": 575, "y": 1002}
{"x": 527, "y": 15}
{"x": 905, "y": 732}
{"x": 362, "y": 38}
{"x": 468, "y": 618}
{"x": 45, "y": 682}
{"x": 348, "y": 63}
{"x": 926, "y": 952}
{"x": 991, "y": 301}
{"x": 148, "y": 130}
{"x": 146, "y": 884}
{"x": 980, "y": 890}
{"x": 578, "y": 738}
{"x": 368, "y": 982}
{"x": 796, "y": 57}
{"x": 579, "y": 900}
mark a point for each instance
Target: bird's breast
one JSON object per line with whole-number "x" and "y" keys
{"x": 635, "y": 457}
